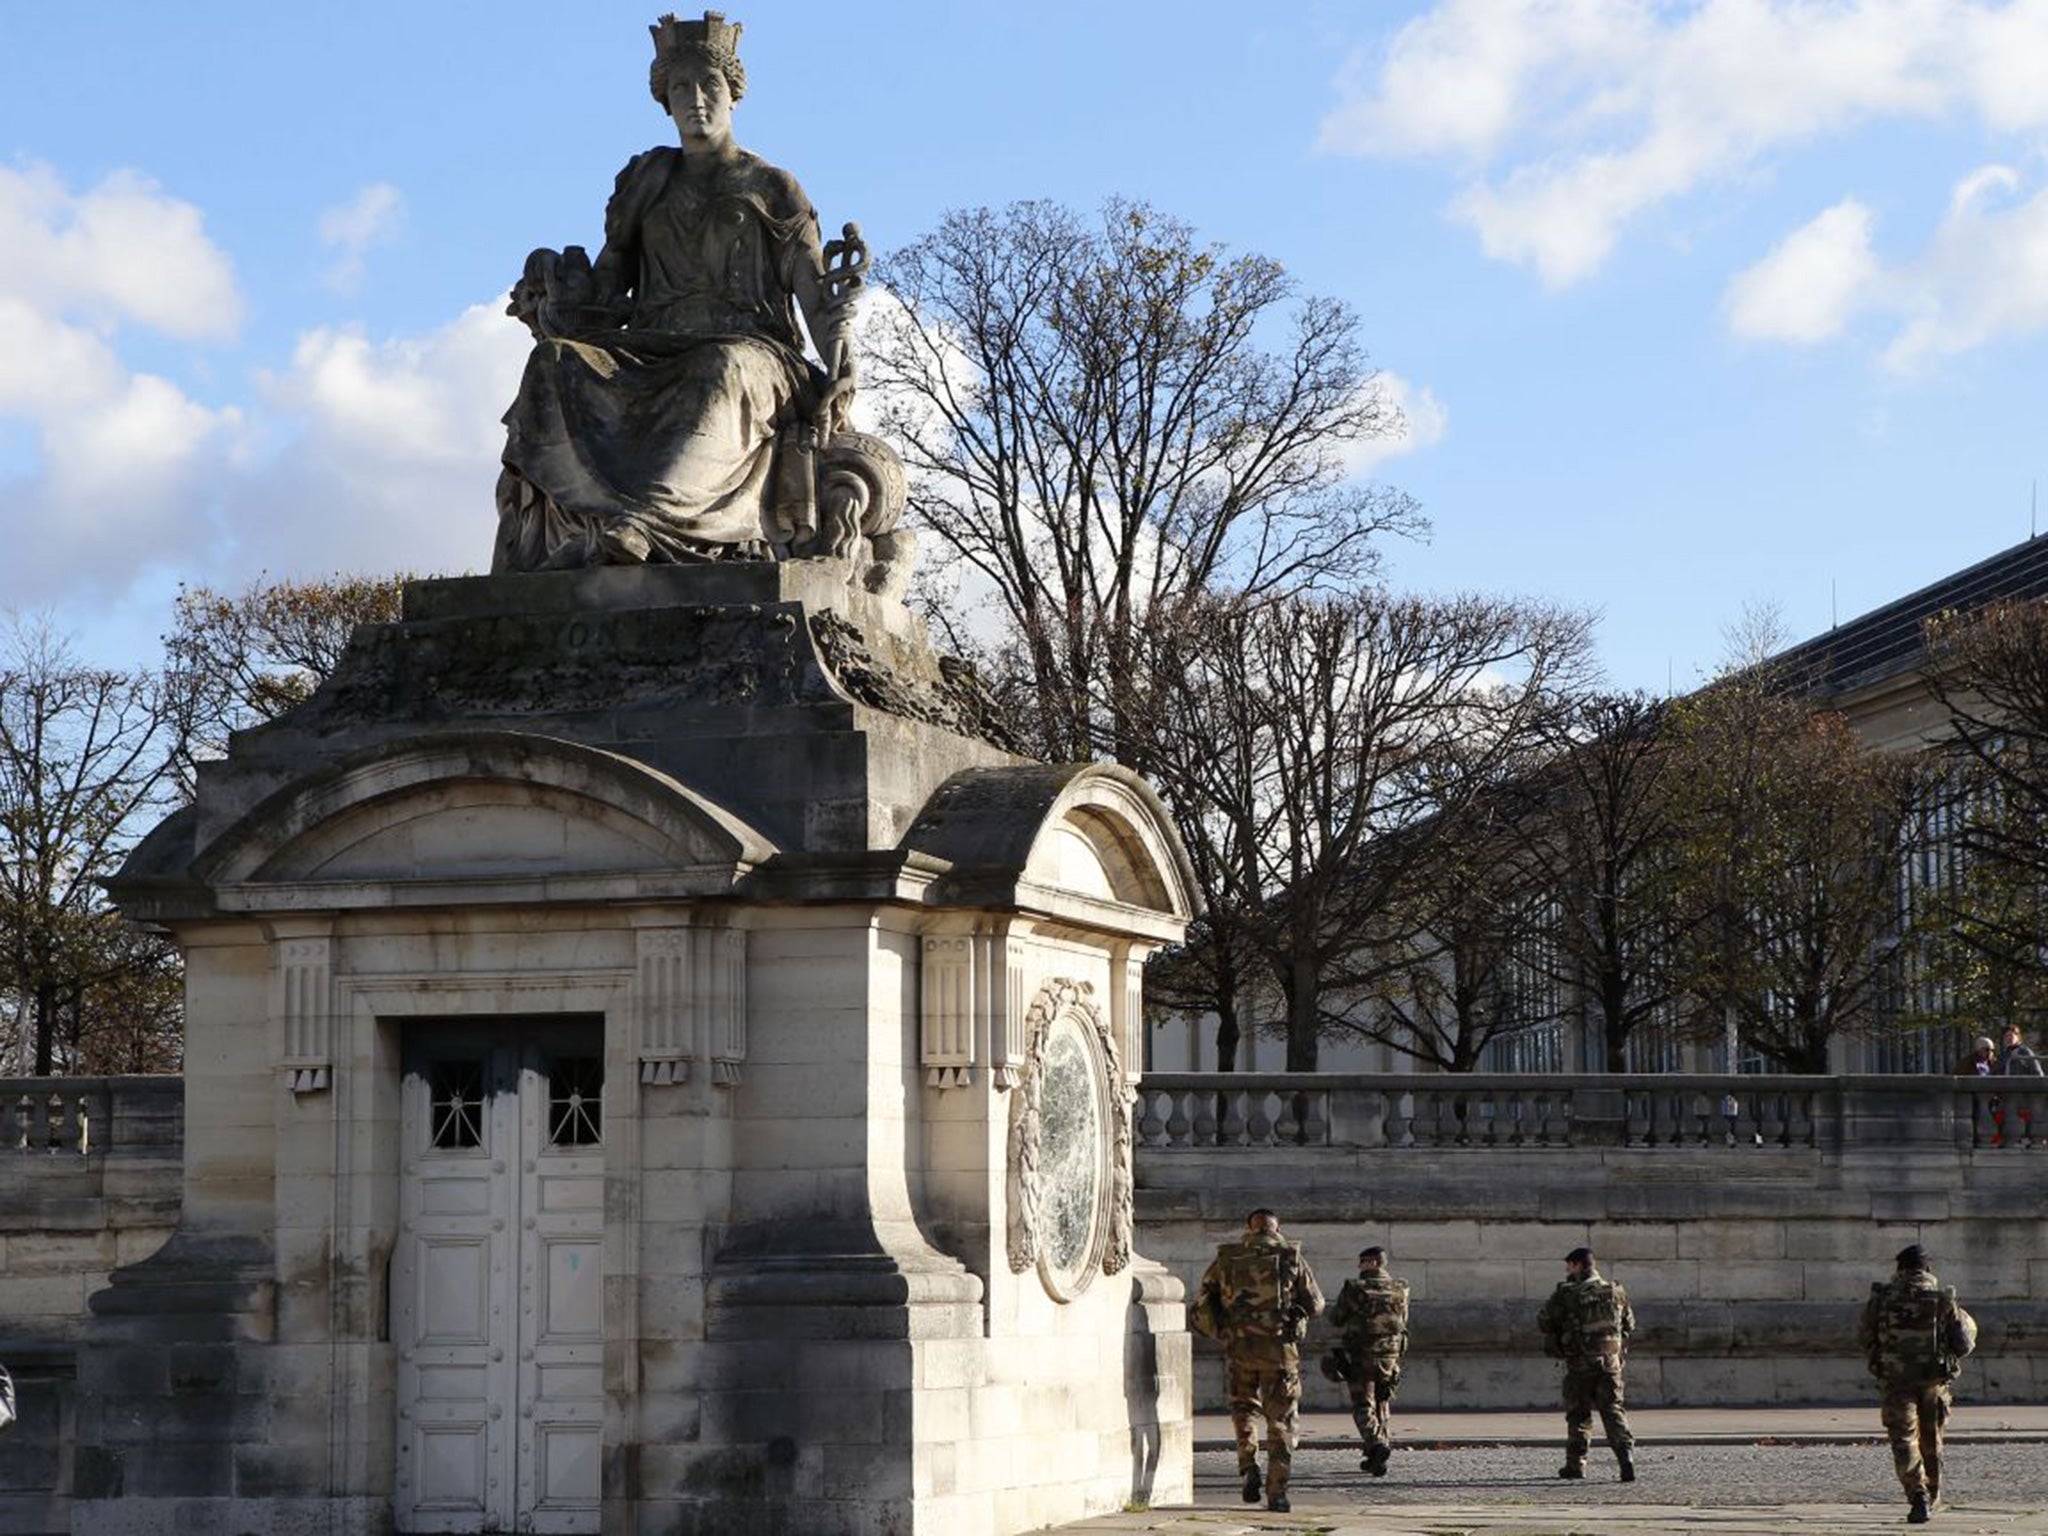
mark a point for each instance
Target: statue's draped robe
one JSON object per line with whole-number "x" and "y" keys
{"x": 669, "y": 428}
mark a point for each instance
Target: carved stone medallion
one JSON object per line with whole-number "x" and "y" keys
{"x": 1069, "y": 1145}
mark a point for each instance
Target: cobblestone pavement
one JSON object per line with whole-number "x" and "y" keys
{"x": 1714, "y": 1490}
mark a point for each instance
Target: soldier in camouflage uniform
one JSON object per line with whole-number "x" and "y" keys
{"x": 1586, "y": 1324}
{"x": 1916, "y": 1337}
{"x": 1257, "y": 1297}
{"x": 1372, "y": 1314}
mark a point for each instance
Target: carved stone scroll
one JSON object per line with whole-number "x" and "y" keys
{"x": 302, "y": 982}
{"x": 690, "y": 1000}
{"x": 947, "y": 1003}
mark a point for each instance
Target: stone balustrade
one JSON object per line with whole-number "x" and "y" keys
{"x": 90, "y": 1176}
{"x": 1186, "y": 1110}
{"x": 1748, "y": 1215}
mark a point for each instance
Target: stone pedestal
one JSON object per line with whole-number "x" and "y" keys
{"x": 654, "y": 1065}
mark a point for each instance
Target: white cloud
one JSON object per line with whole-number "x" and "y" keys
{"x": 373, "y": 217}
{"x": 1811, "y": 283}
{"x": 1982, "y": 277}
{"x": 1575, "y": 117}
{"x": 391, "y": 450}
{"x": 120, "y": 457}
{"x": 123, "y": 252}
{"x": 1421, "y": 421}
{"x": 360, "y": 454}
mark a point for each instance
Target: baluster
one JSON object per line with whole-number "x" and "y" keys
{"x": 1444, "y": 1123}
{"x": 1699, "y": 1120}
{"x": 1287, "y": 1124}
{"x": 1315, "y": 1130}
{"x": 1258, "y": 1122}
{"x": 1634, "y": 1116}
{"x": 1164, "y": 1124}
{"x": 1401, "y": 1119}
{"x": 1512, "y": 1105}
{"x": 1151, "y": 1123}
{"x": 13, "y": 1123}
{"x": 1204, "y": 1105}
{"x": 1799, "y": 1121}
{"x": 1229, "y": 1117}
{"x": 2026, "y": 1125}
{"x": 1540, "y": 1108}
{"x": 39, "y": 1122}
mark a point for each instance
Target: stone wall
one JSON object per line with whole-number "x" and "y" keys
{"x": 1747, "y": 1217}
{"x": 89, "y": 1179}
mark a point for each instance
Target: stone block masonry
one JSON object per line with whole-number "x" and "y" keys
{"x": 1747, "y": 1217}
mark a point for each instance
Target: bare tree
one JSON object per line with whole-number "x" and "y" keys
{"x": 1593, "y": 829}
{"x": 1217, "y": 969}
{"x": 86, "y": 761}
{"x": 1452, "y": 963}
{"x": 1341, "y": 738}
{"x": 1097, "y": 431}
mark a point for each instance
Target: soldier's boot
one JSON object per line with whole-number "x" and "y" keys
{"x": 1377, "y": 1458}
{"x": 1916, "y": 1512}
{"x": 1628, "y": 1466}
{"x": 1278, "y": 1504}
{"x": 1571, "y": 1469}
{"x": 1252, "y": 1489}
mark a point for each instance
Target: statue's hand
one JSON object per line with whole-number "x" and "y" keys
{"x": 557, "y": 295}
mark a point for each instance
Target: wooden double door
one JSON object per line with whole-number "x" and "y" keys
{"x": 497, "y": 1278}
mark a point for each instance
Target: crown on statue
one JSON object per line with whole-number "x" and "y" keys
{"x": 714, "y": 35}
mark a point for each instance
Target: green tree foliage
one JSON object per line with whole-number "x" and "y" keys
{"x": 1984, "y": 893}
{"x": 247, "y": 657}
{"x": 1787, "y": 871}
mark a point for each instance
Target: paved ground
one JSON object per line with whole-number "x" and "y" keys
{"x": 1712, "y": 1472}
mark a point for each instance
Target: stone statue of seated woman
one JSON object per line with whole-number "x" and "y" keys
{"x": 669, "y": 411}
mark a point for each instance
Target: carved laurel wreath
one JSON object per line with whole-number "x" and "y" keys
{"x": 1056, "y": 998}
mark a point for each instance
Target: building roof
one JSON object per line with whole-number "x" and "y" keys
{"x": 1891, "y": 639}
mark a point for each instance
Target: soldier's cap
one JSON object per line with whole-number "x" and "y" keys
{"x": 1579, "y": 1256}
{"x": 1374, "y": 1252}
{"x": 1913, "y": 1256}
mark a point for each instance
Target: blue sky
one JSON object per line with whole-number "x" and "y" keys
{"x": 1693, "y": 306}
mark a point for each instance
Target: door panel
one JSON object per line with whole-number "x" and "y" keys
{"x": 497, "y": 1293}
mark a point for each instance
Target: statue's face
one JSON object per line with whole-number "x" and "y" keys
{"x": 701, "y": 103}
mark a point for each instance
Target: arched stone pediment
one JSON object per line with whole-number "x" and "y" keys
{"x": 498, "y": 809}
{"x": 1080, "y": 833}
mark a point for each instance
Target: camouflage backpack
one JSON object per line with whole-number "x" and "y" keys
{"x": 1378, "y": 1321}
{"x": 1593, "y": 1331}
{"x": 1257, "y": 1281}
{"x": 1922, "y": 1334}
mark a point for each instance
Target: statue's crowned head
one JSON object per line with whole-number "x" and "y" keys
{"x": 714, "y": 41}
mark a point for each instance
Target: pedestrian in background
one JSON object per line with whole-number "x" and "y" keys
{"x": 1372, "y": 1314}
{"x": 1586, "y": 1323}
{"x": 1256, "y": 1298}
{"x": 1915, "y": 1334}
{"x": 1982, "y": 1062}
